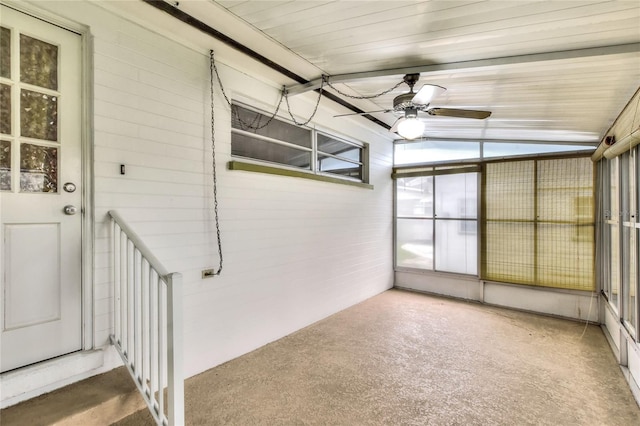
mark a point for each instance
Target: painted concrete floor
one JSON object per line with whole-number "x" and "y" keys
{"x": 403, "y": 358}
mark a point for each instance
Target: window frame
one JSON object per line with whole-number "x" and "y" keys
{"x": 612, "y": 222}
{"x": 539, "y": 223}
{"x": 318, "y": 152}
{"x": 242, "y": 162}
{"x": 432, "y": 219}
{"x": 627, "y": 228}
{"x": 460, "y": 166}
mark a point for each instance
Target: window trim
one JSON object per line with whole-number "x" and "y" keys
{"x": 291, "y": 172}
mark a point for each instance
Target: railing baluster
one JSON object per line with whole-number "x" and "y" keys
{"x": 144, "y": 282}
{"x": 153, "y": 335}
{"x": 137, "y": 323}
{"x": 116, "y": 281}
{"x": 147, "y": 323}
{"x": 161, "y": 343}
{"x": 123, "y": 292}
{"x": 130, "y": 301}
{"x": 174, "y": 352}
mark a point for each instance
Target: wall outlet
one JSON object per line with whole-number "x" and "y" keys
{"x": 208, "y": 273}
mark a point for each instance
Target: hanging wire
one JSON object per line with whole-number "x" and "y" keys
{"x": 213, "y": 159}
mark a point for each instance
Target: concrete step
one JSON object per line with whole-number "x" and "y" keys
{"x": 100, "y": 400}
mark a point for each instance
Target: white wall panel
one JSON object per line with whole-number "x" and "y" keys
{"x": 567, "y": 304}
{"x": 295, "y": 251}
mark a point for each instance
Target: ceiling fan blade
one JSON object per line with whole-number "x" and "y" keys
{"x": 461, "y": 113}
{"x": 427, "y": 93}
{"x": 394, "y": 128}
{"x": 362, "y": 113}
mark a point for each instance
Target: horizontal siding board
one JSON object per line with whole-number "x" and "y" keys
{"x": 181, "y": 148}
{"x": 172, "y": 107}
{"x": 186, "y": 80}
{"x": 128, "y": 186}
{"x": 119, "y": 201}
{"x": 131, "y": 85}
{"x": 327, "y": 245}
{"x": 145, "y": 118}
{"x": 151, "y": 167}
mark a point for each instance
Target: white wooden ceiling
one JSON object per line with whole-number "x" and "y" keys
{"x": 548, "y": 70}
{"x": 548, "y": 97}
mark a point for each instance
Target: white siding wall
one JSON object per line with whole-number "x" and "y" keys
{"x": 295, "y": 250}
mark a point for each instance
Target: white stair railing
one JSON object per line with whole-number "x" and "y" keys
{"x": 148, "y": 323}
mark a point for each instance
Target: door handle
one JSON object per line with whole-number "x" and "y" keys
{"x": 70, "y": 210}
{"x": 69, "y": 187}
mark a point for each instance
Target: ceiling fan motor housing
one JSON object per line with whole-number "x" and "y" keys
{"x": 401, "y": 102}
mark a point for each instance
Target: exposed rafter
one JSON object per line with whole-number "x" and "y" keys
{"x": 480, "y": 63}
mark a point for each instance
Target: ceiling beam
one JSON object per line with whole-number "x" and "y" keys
{"x": 519, "y": 141}
{"x": 480, "y": 63}
{"x": 172, "y": 10}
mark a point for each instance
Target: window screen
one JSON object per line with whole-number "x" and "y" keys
{"x": 275, "y": 141}
{"x": 260, "y": 137}
{"x": 336, "y": 156}
{"x": 538, "y": 223}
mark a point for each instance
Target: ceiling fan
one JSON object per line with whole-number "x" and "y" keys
{"x": 409, "y": 104}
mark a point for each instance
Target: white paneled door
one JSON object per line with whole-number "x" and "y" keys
{"x": 41, "y": 193}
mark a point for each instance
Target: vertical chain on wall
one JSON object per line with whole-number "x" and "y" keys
{"x": 213, "y": 162}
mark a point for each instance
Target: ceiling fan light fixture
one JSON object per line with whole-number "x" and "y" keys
{"x": 411, "y": 128}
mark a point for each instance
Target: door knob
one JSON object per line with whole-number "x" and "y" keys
{"x": 69, "y": 187}
{"x": 70, "y": 210}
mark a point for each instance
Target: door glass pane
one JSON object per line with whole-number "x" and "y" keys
{"x": 38, "y": 168}
{"x": 5, "y": 52}
{"x": 39, "y": 115}
{"x": 414, "y": 243}
{"x": 501, "y": 149}
{"x": 614, "y": 204}
{"x": 615, "y": 264}
{"x": 434, "y": 151}
{"x": 5, "y": 109}
{"x": 5, "y": 165}
{"x": 510, "y": 252}
{"x": 414, "y": 196}
{"x": 565, "y": 190}
{"x": 456, "y": 196}
{"x": 38, "y": 62}
{"x": 565, "y": 255}
{"x": 509, "y": 190}
{"x": 457, "y": 246}
{"x": 628, "y": 275}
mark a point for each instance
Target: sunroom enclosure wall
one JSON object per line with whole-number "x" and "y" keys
{"x": 534, "y": 247}
{"x": 618, "y": 244}
{"x": 295, "y": 250}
